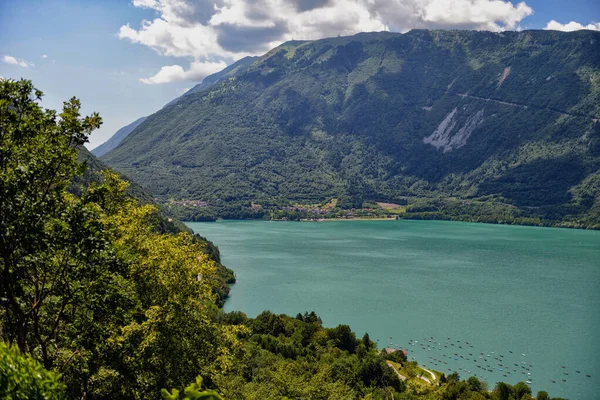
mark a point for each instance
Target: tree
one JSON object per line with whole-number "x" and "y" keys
{"x": 268, "y": 323}
{"x": 192, "y": 392}
{"x": 367, "y": 341}
{"x": 475, "y": 384}
{"x": 520, "y": 390}
{"x": 89, "y": 286}
{"x": 171, "y": 338}
{"x": 453, "y": 377}
{"x": 312, "y": 317}
{"x": 54, "y": 257}
{"x": 23, "y": 378}
{"x": 361, "y": 350}
{"x": 503, "y": 390}
{"x": 343, "y": 338}
{"x": 542, "y": 396}
{"x": 396, "y": 356}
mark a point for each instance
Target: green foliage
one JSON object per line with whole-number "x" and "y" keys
{"x": 453, "y": 377}
{"x": 519, "y": 391}
{"x": 299, "y": 358}
{"x": 346, "y": 118}
{"x": 192, "y": 392}
{"x": 343, "y": 338}
{"x": 475, "y": 384}
{"x": 542, "y": 396}
{"x": 54, "y": 263}
{"x": 396, "y": 356}
{"x": 91, "y": 287}
{"x": 366, "y": 341}
{"x": 23, "y": 378}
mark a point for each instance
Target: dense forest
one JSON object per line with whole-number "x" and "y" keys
{"x": 101, "y": 301}
{"x": 450, "y": 123}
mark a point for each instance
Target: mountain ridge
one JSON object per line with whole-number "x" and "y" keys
{"x": 510, "y": 119}
{"x": 116, "y": 138}
{"x": 210, "y": 80}
{"x": 230, "y": 70}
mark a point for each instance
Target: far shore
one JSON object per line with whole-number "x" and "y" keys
{"x": 591, "y": 228}
{"x": 349, "y": 219}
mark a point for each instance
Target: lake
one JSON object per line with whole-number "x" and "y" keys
{"x": 526, "y": 299}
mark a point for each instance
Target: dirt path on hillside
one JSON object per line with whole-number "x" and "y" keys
{"x": 402, "y": 377}
{"x": 523, "y": 106}
{"x": 430, "y": 373}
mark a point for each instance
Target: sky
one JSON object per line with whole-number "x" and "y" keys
{"x": 127, "y": 58}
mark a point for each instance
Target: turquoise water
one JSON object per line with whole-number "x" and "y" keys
{"x": 507, "y": 290}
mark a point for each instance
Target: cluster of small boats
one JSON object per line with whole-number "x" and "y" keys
{"x": 448, "y": 353}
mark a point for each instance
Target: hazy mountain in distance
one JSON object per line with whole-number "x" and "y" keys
{"x": 206, "y": 82}
{"x": 116, "y": 138}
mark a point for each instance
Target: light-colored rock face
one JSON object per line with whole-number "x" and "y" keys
{"x": 503, "y": 76}
{"x": 451, "y": 135}
{"x": 441, "y": 136}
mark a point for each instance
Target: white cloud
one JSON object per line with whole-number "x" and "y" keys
{"x": 171, "y": 39}
{"x": 572, "y": 26}
{"x": 232, "y": 29}
{"x": 44, "y": 56}
{"x": 493, "y": 15}
{"x": 16, "y": 61}
{"x": 175, "y": 73}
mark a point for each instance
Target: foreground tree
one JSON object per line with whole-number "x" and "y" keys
{"x": 88, "y": 285}
{"x": 51, "y": 248}
{"x": 59, "y": 273}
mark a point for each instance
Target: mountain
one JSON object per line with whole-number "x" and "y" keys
{"x": 116, "y": 138}
{"x": 210, "y": 80}
{"x": 447, "y": 123}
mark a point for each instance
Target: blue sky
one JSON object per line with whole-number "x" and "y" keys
{"x": 102, "y": 53}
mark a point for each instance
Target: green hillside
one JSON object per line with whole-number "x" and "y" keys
{"x": 452, "y": 124}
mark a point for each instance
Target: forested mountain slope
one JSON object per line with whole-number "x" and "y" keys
{"x": 438, "y": 119}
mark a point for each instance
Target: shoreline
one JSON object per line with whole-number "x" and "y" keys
{"x": 583, "y": 228}
{"x": 346, "y": 219}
